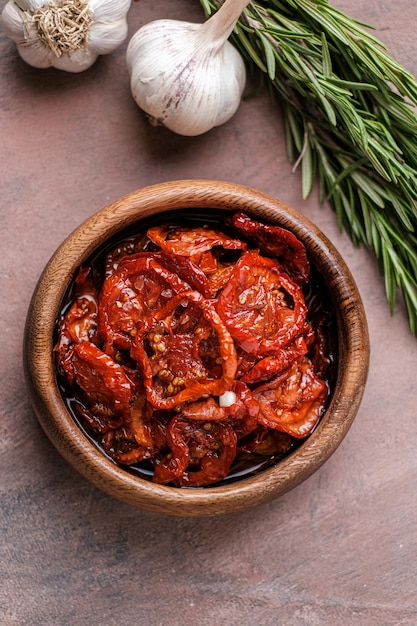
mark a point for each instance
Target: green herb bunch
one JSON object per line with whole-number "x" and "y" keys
{"x": 350, "y": 123}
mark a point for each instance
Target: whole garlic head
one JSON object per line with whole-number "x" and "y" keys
{"x": 185, "y": 76}
{"x": 66, "y": 34}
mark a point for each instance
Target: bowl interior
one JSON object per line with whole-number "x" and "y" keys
{"x": 195, "y": 202}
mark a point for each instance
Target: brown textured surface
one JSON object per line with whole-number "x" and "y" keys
{"x": 339, "y": 549}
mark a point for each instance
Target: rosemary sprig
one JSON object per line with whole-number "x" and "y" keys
{"x": 350, "y": 124}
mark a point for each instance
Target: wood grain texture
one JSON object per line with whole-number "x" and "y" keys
{"x": 340, "y": 548}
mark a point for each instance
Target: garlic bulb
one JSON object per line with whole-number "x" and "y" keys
{"x": 66, "y": 34}
{"x": 187, "y": 76}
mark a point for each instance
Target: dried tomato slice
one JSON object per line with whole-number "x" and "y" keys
{"x": 122, "y": 447}
{"x": 136, "y": 289}
{"x": 272, "y": 364}
{"x": 294, "y": 401}
{"x": 263, "y": 309}
{"x": 79, "y": 323}
{"x": 201, "y": 246}
{"x": 127, "y": 247}
{"x": 172, "y": 466}
{"x": 207, "y": 409}
{"x": 140, "y": 437}
{"x": 187, "y": 270}
{"x": 184, "y": 352}
{"x": 112, "y": 406}
{"x": 275, "y": 242}
{"x": 201, "y": 452}
{"x": 100, "y": 418}
{"x": 219, "y": 279}
{"x": 220, "y": 451}
{"x": 102, "y": 379}
{"x": 244, "y": 412}
{"x": 193, "y": 241}
{"x": 267, "y": 442}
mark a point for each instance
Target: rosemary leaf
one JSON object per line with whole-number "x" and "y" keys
{"x": 350, "y": 122}
{"x": 327, "y": 59}
{"x": 269, "y": 56}
{"x": 307, "y": 169}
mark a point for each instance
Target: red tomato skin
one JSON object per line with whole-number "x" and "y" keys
{"x": 191, "y": 242}
{"x": 79, "y": 323}
{"x": 194, "y": 389}
{"x": 137, "y": 288}
{"x": 268, "y": 325}
{"x": 275, "y": 242}
{"x": 201, "y": 453}
{"x": 295, "y": 401}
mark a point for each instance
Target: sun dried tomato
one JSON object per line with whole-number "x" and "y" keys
{"x": 294, "y": 401}
{"x": 79, "y": 323}
{"x": 122, "y": 447}
{"x": 186, "y": 270}
{"x": 100, "y": 418}
{"x": 276, "y": 242}
{"x": 196, "y": 353}
{"x": 184, "y": 352}
{"x": 172, "y": 466}
{"x": 220, "y": 277}
{"x": 242, "y": 412}
{"x": 102, "y": 380}
{"x": 141, "y": 436}
{"x": 191, "y": 242}
{"x": 202, "y": 246}
{"x": 272, "y": 364}
{"x": 200, "y": 452}
{"x": 219, "y": 445}
{"x": 263, "y": 309}
{"x": 112, "y": 405}
{"x": 267, "y": 442}
{"x": 139, "y": 287}
{"x": 207, "y": 409}
{"x": 127, "y": 247}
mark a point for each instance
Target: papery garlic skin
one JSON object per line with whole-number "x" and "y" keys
{"x": 101, "y": 27}
{"x": 183, "y": 81}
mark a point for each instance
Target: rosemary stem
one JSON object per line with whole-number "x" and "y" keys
{"x": 350, "y": 117}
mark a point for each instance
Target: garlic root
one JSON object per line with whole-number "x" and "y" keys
{"x": 66, "y": 34}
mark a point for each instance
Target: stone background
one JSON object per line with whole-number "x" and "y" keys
{"x": 339, "y": 549}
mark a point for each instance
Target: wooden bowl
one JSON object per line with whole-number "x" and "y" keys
{"x": 200, "y": 197}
